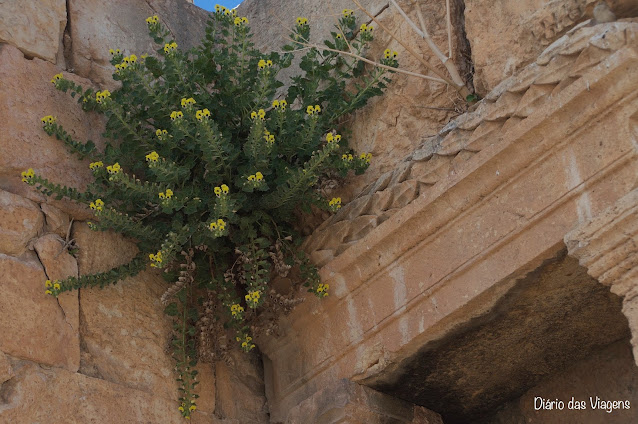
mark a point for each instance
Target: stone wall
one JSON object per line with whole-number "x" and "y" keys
{"x": 91, "y": 355}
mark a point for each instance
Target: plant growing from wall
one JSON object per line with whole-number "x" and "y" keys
{"x": 204, "y": 167}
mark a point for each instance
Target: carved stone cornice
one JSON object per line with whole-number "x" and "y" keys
{"x": 608, "y": 245}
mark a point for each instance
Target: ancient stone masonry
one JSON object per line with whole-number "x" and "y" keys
{"x": 461, "y": 223}
{"x": 437, "y": 158}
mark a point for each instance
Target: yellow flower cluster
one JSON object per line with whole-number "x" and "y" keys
{"x": 55, "y": 285}
{"x": 190, "y": 408}
{"x": 94, "y": 166}
{"x": 366, "y": 157}
{"x": 130, "y": 60}
{"x": 152, "y": 20}
{"x": 236, "y": 310}
{"x": 114, "y": 169}
{"x": 302, "y": 21}
{"x": 98, "y": 205}
{"x": 167, "y": 195}
{"x": 156, "y": 259}
{"x": 202, "y": 114}
{"x": 347, "y": 158}
{"x": 313, "y": 110}
{"x": 176, "y": 114}
{"x": 241, "y": 21}
{"x": 333, "y": 138}
{"x": 114, "y": 52}
{"x": 322, "y": 290}
{"x": 27, "y": 175}
{"x": 102, "y": 96}
{"x": 257, "y": 177}
{"x": 170, "y": 47}
{"x": 279, "y": 104}
{"x": 270, "y": 138}
{"x": 252, "y": 298}
{"x": 223, "y": 189}
{"x": 218, "y": 227}
{"x": 261, "y": 114}
{"x": 366, "y": 28}
{"x": 161, "y": 134}
{"x": 57, "y": 78}
{"x": 388, "y": 54}
{"x": 188, "y": 102}
{"x": 246, "y": 344}
{"x": 152, "y": 157}
{"x": 335, "y": 204}
{"x": 49, "y": 120}
{"x": 347, "y": 13}
{"x": 225, "y": 11}
{"x": 263, "y": 64}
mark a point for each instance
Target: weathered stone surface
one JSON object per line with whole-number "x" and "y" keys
{"x": 58, "y": 262}
{"x": 345, "y": 401}
{"x": 35, "y": 27}
{"x": 27, "y": 96}
{"x": 96, "y": 26}
{"x": 34, "y": 325}
{"x": 56, "y": 220}
{"x": 36, "y": 394}
{"x": 240, "y": 393}
{"x": 610, "y": 375}
{"x": 20, "y": 221}
{"x": 506, "y": 36}
{"x": 100, "y": 251}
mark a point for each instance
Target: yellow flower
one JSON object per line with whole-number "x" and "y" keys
{"x": 192, "y": 408}
{"x": 283, "y": 104}
{"x": 221, "y": 224}
{"x": 363, "y": 27}
{"x": 275, "y": 104}
{"x": 339, "y": 36}
{"x": 347, "y": 13}
{"x": 156, "y": 259}
{"x": 259, "y": 176}
{"x": 169, "y": 193}
{"x": 212, "y": 226}
{"x": 27, "y": 175}
{"x": 181, "y": 409}
{"x": 57, "y": 78}
{"x": 310, "y": 110}
{"x": 49, "y": 120}
{"x": 152, "y": 20}
{"x": 56, "y": 286}
{"x": 218, "y": 191}
{"x": 114, "y": 169}
{"x": 96, "y": 165}
{"x": 261, "y": 114}
{"x": 251, "y": 178}
{"x": 162, "y": 195}
{"x": 188, "y": 102}
{"x": 302, "y": 21}
{"x": 170, "y": 47}
{"x": 48, "y": 283}
{"x": 225, "y": 189}
{"x": 176, "y": 114}
{"x": 152, "y": 157}
{"x": 132, "y": 58}
{"x": 387, "y": 53}
{"x": 330, "y": 138}
{"x": 48, "y": 292}
{"x": 261, "y": 64}
{"x": 100, "y": 96}
{"x": 112, "y": 52}
{"x": 98, "y": 205}
{"x": 335, "y": 204}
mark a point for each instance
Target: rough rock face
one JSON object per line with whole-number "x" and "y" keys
{"x": 35, "y": 27}
{"x": 34, "y": 325}
{"x": 96, "y": 26}
{"x": 27, "y": 96}
{"x": 20, "y": 221}
{"x": 507, "y": 35}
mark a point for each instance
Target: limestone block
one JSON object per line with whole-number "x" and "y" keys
{"x": 35, "y": 27}
{"x": 33, "y": 324}
{"x": 20, "y": 221}
{"x": 100, "y": 251}
{"x": 58, "y": 262}
{"x": 97, "y": 26}
{"x": 36, "y": 394}
{"x": 56, "y": 220}
{"x": 27, "y": 96}
{"x": 240, "y": 392}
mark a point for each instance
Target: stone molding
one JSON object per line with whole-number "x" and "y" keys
{"x": 608, "y": 246}
{"x": 496, "y": 192}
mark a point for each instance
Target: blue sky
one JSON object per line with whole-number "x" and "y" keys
{"x": 210, "y": 4}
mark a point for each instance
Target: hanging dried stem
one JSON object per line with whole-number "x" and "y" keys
{"x": 186, "y": 276}
{"x": 456, "y": 81}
